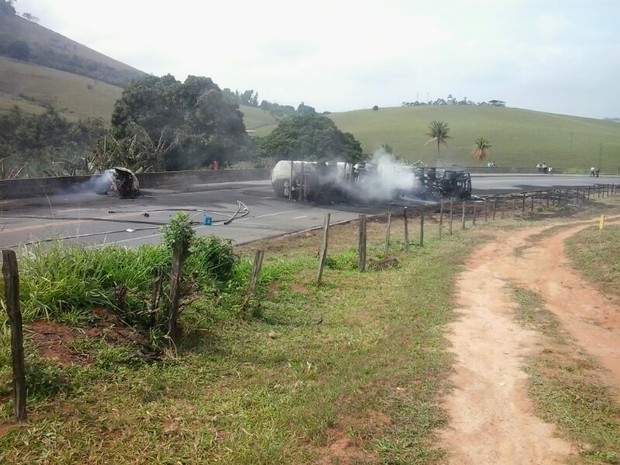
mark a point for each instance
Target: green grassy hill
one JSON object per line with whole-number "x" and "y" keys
{"x": 53, "y": 50}
{"x": 31, "y": 87}
{"x": 256, "y": 119}
{"x": 520, "y": 138}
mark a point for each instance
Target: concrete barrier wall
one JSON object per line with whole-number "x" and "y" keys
{"x": 183, "y": 178}
{"x": 23, "y": 188}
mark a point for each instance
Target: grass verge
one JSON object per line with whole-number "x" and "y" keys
{"x": 565, "y": 386}
{"x": 345, "y": 372}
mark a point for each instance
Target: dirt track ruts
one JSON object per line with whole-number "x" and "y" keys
{"x": 491, "y": 419}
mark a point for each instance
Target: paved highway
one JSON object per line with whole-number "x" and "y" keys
{"x": 95, "y": 220}
{"x": 242, "y": 212}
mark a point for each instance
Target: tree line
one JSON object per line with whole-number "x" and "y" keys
{"x": 162, "y": 124}
{"x": 158, "y": 124}
{"x": 250, "y": 98}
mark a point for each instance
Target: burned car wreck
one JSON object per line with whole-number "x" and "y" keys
{"x": 120, "y": 180}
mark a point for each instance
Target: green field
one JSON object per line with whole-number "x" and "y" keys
{"x": 520, "y": 138}
{"x": 31, "y": 87}
{"x": 257, "y": 120}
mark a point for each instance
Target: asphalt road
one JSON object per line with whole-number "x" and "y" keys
{"x": 94, "y": 220}
{"x": 242, "y": 212}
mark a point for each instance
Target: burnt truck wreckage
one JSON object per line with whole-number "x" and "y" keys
{"x": 325, "y": 182}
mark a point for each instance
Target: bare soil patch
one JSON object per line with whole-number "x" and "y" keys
{"x": 491, "y": 418}
{"x": 53, "y": 340}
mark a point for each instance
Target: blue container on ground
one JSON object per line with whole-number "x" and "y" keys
{"x": 208, "y": 220}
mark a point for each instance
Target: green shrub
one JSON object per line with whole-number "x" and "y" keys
{"x": 179, "y": 230}
{"x": 212, "y": 257}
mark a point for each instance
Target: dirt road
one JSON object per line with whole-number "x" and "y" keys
{"x": 491, "y": 419}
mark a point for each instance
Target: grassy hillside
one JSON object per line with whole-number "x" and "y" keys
{"x": 33, "y": 86}
{"x": 520, "y": 138}
{"x": 256, "y": 119}
{"x": 48, "y": 48}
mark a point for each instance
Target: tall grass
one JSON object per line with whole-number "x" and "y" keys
{"x": 65, "y": 282}
{"x": 68, "y": 280}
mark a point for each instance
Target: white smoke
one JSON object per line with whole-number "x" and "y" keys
{"x": 102, "y": 183}
{"x": 385, "y": 179}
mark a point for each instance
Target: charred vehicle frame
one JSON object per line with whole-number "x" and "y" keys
{"x": 330, "y": 181}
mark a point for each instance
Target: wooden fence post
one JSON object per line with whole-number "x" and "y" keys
{"x": 451, "y": 214}
{"x": 323, "y": 252}
{"x": 253, "y": 284}
{"x": 176, "y": 272}
{"x": 494, "y": 208}
{"x": 11, "y": 291}
{"x": 440, "y": 217}
{"x": 406, "y": 229}
{"x": 463, "y": 215}
{"x": 473, "y": 215}
{"x": 362, "y": 244}
{"x": 158, "y": 288}
{"x": 421, "y": 226}
{"x": 486, "y": 211}
{"x": 387, "y": 233}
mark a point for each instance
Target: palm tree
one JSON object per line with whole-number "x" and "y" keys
{"x": 438, "y": 132}
{"x": 481, "y": 149}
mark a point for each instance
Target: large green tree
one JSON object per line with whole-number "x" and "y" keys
{"x": 196, "y": 122}
{"x": 438, "y": 132}
{"x": 310, "y": 137}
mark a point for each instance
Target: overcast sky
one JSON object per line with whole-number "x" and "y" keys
{"x": 558, "y": 56}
